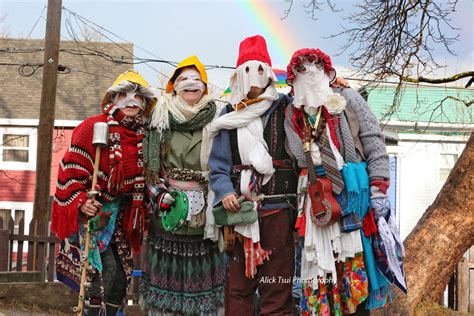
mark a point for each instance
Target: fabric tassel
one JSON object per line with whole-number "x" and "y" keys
{"x": 368, "y": 224}
{"x": 332, "y": 129}
{"x": 134, "y": 226}
{"x": 351, "y": 218}
{"x": 297, "y": 120}
{"x": 379, "y": 286}
{"x": 380, "y": 297}
{"x": 363, "y": 182}
{"x": 116, "y": 179}
{"x": 65, "y": 220}
{"x": 351, "y": 186}
{"x": 254, "y": 256}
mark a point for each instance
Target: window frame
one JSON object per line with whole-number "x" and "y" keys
{"x": 443, "y": 167}
{"x": 31, "y": 132}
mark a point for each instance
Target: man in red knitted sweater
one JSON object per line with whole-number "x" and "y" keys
{"x": 117, "y": 214}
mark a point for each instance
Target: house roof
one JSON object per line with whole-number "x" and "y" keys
{"x": 79, "y": 92}
{"x": 423, "y": 104}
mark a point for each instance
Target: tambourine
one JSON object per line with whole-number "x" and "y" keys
{"x": 176, "y": 216}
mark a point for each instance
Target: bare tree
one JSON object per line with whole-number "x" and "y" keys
{"x": 90, "y": 35}
{"x": 311, "y": 8}
{"x": 396, "y": 38}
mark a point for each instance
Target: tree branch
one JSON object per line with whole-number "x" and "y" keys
{"x": 466, "y": 103}
{"x": 439, "y": 80}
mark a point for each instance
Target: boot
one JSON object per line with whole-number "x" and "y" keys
{"x": 111, "y": 309}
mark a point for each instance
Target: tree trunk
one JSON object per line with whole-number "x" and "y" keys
{"x": 441, "y": 237}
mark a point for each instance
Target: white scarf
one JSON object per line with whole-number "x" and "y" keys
{"x": 175, "y": 105}
{"x": 391, "y": 239}
{"x": 323, "y": 246}
{"x": 252, "y": 148}
{"x": 183, "y": 112}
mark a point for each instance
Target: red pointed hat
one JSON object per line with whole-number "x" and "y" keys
{"x": 253, "y": 48}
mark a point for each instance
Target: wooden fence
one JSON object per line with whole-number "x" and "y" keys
{"x": 47, "y": 246}
{"x": 44, "y": 252}
{"x": 461, "y": 286}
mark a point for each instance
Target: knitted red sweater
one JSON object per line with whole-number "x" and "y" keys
{"x": 75, "y": 174}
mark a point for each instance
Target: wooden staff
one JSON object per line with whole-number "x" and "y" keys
{"x": 99, "y": 139}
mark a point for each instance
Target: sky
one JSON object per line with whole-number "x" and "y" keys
{"x": 212, "y": 30}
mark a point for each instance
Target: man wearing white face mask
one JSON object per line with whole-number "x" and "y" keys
{"x": 249, "y": 158}
{"x": 335, "y": 134}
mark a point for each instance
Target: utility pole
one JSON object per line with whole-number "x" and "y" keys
{"x": 47, "y": 109}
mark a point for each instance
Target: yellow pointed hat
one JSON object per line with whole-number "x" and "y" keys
{"x": 190, "y": 61}
{"x": 132, "y": 76}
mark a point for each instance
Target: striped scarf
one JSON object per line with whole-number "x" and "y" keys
{"x": 255, "y": 256}
{"x": 134, "y": 216}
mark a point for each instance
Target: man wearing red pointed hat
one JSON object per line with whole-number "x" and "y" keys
{"x": 355, "y": 254}
{"x": 249, "y": 160}
{"x": 116, "y": 217}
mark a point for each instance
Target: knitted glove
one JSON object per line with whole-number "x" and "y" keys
{"x": 164, "y": 201}
{"x": 379, "y": 203}
{"x": 99, "y": 221}
{"x": 369, "y": 227}
{"x": 247, "y": 214}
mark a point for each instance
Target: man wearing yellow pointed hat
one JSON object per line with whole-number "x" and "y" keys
{"x": 183, "y": 267}
{"x": 116, "y": 216}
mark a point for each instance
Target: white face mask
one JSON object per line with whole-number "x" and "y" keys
{"x": 310, "y": 86}
{"x": 130, "y": 100}
{"x": 252, "y": 73}
{"x": 188, "y": 80}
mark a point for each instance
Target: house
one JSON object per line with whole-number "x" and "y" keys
{"x": 431, "y": 129}
{"x": 81, "y": 87}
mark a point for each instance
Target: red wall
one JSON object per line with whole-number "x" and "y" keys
{"x": 19, "y": 185}
{"x": 57, "y": 156}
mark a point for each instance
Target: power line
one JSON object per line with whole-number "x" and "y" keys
{"x": 73, "y": 35}
{"x": 88, "y": 22}
{"x": 37, "y": 20}
{"x": 92, "y": 52}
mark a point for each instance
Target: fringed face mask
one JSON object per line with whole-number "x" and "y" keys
{"x": 310, "y": 86}
{"x": 189, "y": 80}
{"x": 129, "y": 99}
{"x": 250, "y": 74}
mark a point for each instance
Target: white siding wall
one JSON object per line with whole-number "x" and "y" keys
{"x": 419, "y": 181}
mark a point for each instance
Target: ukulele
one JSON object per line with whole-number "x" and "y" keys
{"x": 324, "y": 208}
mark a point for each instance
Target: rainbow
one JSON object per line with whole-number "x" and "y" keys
{"x": 281, "y": 81}
{"x": 267, "y": 20}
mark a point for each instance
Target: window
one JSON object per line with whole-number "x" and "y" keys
{"x": 447, "y": 162}
{"x": 15, "y": 147}
{"x": 18, "y": 148}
